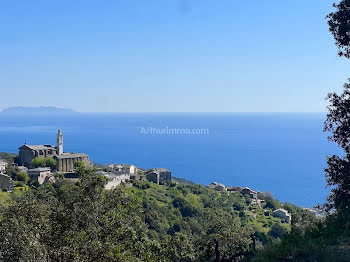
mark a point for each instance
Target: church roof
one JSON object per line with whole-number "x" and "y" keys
{"x": 39, "y": 147}
{"x": 70, "y": 155}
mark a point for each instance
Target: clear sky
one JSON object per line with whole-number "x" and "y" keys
{"x": 168, "y": 55}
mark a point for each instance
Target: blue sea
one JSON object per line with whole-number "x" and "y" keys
{"x": 284, "y": 154}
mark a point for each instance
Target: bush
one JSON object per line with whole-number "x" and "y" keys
{"x": 51, "y": 163}
{"x": 248, "y": 200}
{"x": 277, "y": 231}
{"x": 38, "y": 162}
{"x": 44, "y": 162}
{"x": 19, "y": 184}
{"x": 238, "y": 206}
{"x": 145, "y": 186}
{"x": 273, "y": 204}
{"x": 22, "y": 176}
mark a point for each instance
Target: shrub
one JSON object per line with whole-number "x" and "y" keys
{"x": 277, "y": 231}
{"x": 19, "y": 184}
{"x": 22, "y": 176}
{"x": 273, "y": 204}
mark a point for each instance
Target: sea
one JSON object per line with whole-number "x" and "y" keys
{"x": 282, "y": 153}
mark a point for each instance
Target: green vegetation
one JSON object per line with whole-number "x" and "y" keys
{"x": 44, "y": 162}
{"x": 181, "y": 221}
{"x": 182, "y": 181}
{"x": 22, "y": 176}
{"x": 147, "y": 222}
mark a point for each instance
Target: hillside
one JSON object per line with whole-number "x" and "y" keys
{"x": 174, "y": 222}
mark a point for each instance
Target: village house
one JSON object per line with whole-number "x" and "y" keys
{"x": 3, "y": 166}
{"x": 114, "y": 180}
{"x": 247, "y": 191}
{"x": 119, "y": 169}
{"x": 124, "y": 169}
{"x": 284, "y": 214}
{"x": 234, "y": 189}
{"x": 160, "y": 176}
{"x": 6, "y": 182}
{"x": 135, "y": 177}
{"x": 40, "y": 173}
{"x": 65, "y": 161}
{"x": 218, "y": 186}
{"x": 317, "y": 213}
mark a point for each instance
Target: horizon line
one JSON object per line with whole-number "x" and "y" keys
{"x": 72, "y": 111}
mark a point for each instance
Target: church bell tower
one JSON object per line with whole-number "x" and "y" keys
{"x": 60, "y": 142}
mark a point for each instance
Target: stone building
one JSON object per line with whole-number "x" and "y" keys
{"x": 284, "y": 214}
{"x": 218, "y": 187}
{"x": 65, "y": 161}
{"x": 40, "y": 173}
{"x": 3, "y": 166}
{"x": 27, "y": 153}
{"x": 231, "y": 189}
{"x": 6, "y": 182}
{"x": 160, "y": 176}
{"x": 247, "y": 191}
{"x": 120, "y": 169}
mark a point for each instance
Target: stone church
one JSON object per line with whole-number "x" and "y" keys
{"x": 65, "y": 161}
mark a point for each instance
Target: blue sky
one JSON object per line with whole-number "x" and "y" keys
{"x": 168, "y": 55}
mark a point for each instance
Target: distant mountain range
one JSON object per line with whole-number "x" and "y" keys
{"x": 41, "y": 110}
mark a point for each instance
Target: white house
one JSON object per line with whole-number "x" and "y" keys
{"x": 114, "y": 180}
{"x": 120, "y": 169}
{"x": 284, "y": 214}
{"x": 218, "y": 186}
{"x": 3, "y": 166}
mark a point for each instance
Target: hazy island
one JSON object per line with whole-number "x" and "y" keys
{"x": 41, "y": 110}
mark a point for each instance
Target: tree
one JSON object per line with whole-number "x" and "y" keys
{"x": 51, "y": 163}
{"x": 273, "y": 204}
{"x": 225, "y": 238}
{"x": 339, "y": 26}
{"x": 338, "y": 168}
{"x": 44, "y": 162}
{"x": 338, "y": 121}
{"x": 178, "y": 248}
{"x": 265, "y": 196}
{"x": 79, "y": 165}
{"x": 277, "y": 231}
{"x": 290, "y": 207}
{"x": 76, "y": 222}
{"x": 11, "y": 171}
{"x": 22, "y": 176}
{"x": 23, "y": 228}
